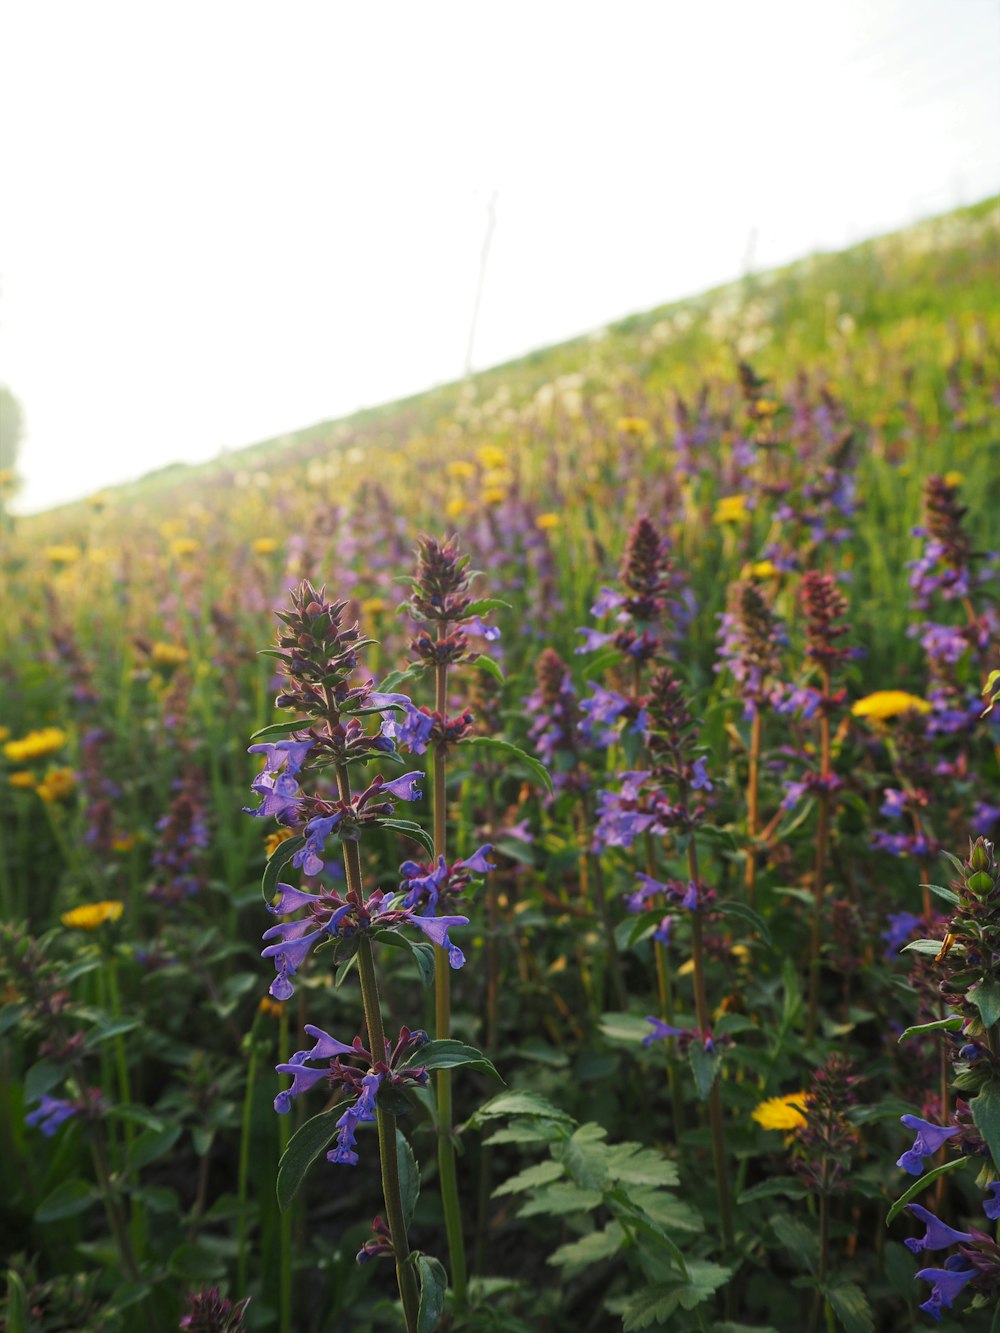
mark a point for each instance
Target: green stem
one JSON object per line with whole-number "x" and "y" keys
{"x": 244, "y": 1164}
{"x": 285, "y": 1219}
{"x": 819, "y": 871}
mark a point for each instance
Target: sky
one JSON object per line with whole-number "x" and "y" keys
{"x": 223, "y": 221}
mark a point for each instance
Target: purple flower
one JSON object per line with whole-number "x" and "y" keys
{"x": 929, "y": 1139}
{"x": 289, "y": 953}
{"x": 477, "y": 862}
{"x": 593, "y": 640}
{"x": 700, "y": 780}
{"x": 893, "y": 803}
{"x": 413, "y": 731}
{"x": 362, "y": 1110}
{"x": 303, "y": 1077}
{"x": 938, "y": 1235}
{"x": 289, "y": 755}
{"x": 280, "y": 792}
{"x": 436, "y": 929}
{"x": 948, "y": 1283}
{"x": 291, "y": 899}
{"x": 50, "y": 1113}
{"x": 661, "y": 1031}
{"x": 602, "y": 709}
{"x": 404, "y": 788}
{"x": 991, "y": 1207}
{"x": 607, "y": 600}
{"x": 310, "y": 857}
{"x": 488, "y": 632}
{"x": 662, "y": 931}
{"x": 901, "y": 926}
{"x": 690, "y": 899}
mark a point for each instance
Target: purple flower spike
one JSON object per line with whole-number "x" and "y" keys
{"x": 948, "y": 1283}
{"x": 991, "y": 1207}
{"x": 290, "y": 755}
{"x": 929, "y": 1139}
{"x": 404, "y": 788}
{"x": 661, "y": 1031}
{"x": 938, "y": 1236}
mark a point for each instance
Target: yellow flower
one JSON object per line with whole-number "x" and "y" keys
{"x": 456, "y": 507}
{"x": 765, "y": 407}
{"x": 182, "y": 547}
{"x": 22, "y": 778}
{"x": 781, "y": 1112}
{"x": 888, "y": 703}
{"x": 92, "y": 915}
{"x": 546, "y": 522}
{"x": 57, "y": 783}
{"x": 731, "y": 509}
{"x": 62, "y": 555}
{"x": 35, "y": 745}
{"x": 762, "y": 569}
{"x": 274, "y": 840}
{"x": 124, "y": 842}
{"x": 372, "y": 606}
{"x": 490, "y": 456}
{"x": 265, "y": 546}
{"x": 168, "y": 655}
{"x": 954, "y": 479}
{"x": 269, "y": 1006}
{"x": 461, "y": 467}
{"x": 494, "y": 495}
{"x": 633, "y": 425}
{"x": 4, "y": 733}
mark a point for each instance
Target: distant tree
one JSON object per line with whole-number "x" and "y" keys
{"x": 11, "y": 434}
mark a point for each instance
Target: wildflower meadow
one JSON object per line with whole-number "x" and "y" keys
{"x": 523, "y": 858}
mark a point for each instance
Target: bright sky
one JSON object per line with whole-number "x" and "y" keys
{"x": 224, "y": 220}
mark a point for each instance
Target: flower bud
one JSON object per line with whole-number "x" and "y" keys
{"x": 979, "y": 860}
{"x": 980, "y": 883}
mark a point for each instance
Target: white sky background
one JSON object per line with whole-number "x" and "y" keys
{"x": 220, "y": 221}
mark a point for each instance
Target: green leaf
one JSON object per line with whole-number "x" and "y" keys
{"x": 560, "y": 1199}
{"x": 939, "y": 891}
{"x": 449, "y": 1054}
{"x": 41, "y": 1078}
{"x": 278, "y": 859}
{"x": 304, "y": 1147}
{"x": 279, "y": 730}
{"x": 409, "y": 1176}
{"x": 632, "y": 1164}
{"x": 986, "y": 998}
{"x": 921, "y": 1184}
{"x": 624, "y": 1027}
{"x": 17, "y": 1303}
{"x": 492, "y": 668}
{"x": 951, "y": 1024}
{"x": 590, "y": 1249}
{"x": 745, "y": 913}
{"x": 986, "y": 1112}
{"x": 151, "y": 1145}
{"x": 851, "y": 1307}
{"x": 539, "y": 770}
{"x": 584, "y": 1154}
{"x": 412, "y": 830}
{"x": 525, "y": 1131}
{"x": 669, "y": 1213}
{"x": 922, "y": 946}
{"x": 66, "y": 1200}
{"x": 394, "y": 679}
{"x": 422, "y": 952}
{"x": 544, "y": 1173}
{"x": 784, "y": 1187}
{"x": 704, "y": 1279}
{"x": 433, "y": 1285}
{"x": 517, "y": 1103}
{"x": 641, "y": 928}
{"x": 705, "y": 1066}
{"x": 484, "y": 604}
{"x": 116, "y": 1028}
{"x": 798, "y": 1239}
{"x": 655, "y": 1304}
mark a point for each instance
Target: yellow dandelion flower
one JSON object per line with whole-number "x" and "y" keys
{"x": 762, "y": 569}
{"x": 62, "y": 554}
{"x": 23, "y": 779}
{"x": 490, "y": 455}
{"x": 36, "y": 745}
{"x": 461, "y": 468}
{"x": 456, "y": 507}
{"x": 546, "y": 522}
{"x": 274, "y": 840}
{"x": 884, "y": 704}
{"x": 633, "y": 425}
{"x": 954, "y": 479}
{"x": 182, "y": 547}
{"x": 57, "y": 784}
{"x": 494, "y": 495}
{"x": 765, "y": 407}
{"x": 781, "y": 1112}
{"x": 265, "y": 546}
{"x": 168, "y": 656}
{"x": 731, "y": 509}
{"x": 92, "y": 915}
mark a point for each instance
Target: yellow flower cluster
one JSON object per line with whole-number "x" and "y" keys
{"x": 35, "y": 745}
{"x": 92, "y": 915}
{"x": 731, "y": 509}
{"x": 62, "y": 555}
{"x": 490, "y": 455}
{"x": 182, "y": 547}
{"x": 461, "y": 468}
{"x": 265, "y": 546}
{"x": 884, "y": 704}
{"x": 633, "y": 425}
{"x": 167, "y": 656}
{"x": 781, "y": 1112}
{"x": 546, "y": 522}
{"x": 23, "y": 779}
{"x": 57, "y": 784}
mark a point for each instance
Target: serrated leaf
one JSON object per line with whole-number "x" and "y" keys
{"x": 584, "y": 1156}
{"x": 986, "y": 1112}
{"x": 433, "y": 1285}
{"x": 66, "y": 1200}
{"x": 517, "y": 1103}
{"x": 747, "y": 914}
{"x": 921, "y": 1184}
{"x": 632, "y": 1164}
{"x": 449, "y": 1054}
{"x": 851, "y": 1307}
{"x": 409, "y": 1176}
{"x": 525, "y": 1131}
{"x": 951, "y": 1024}
{"x": 782, "y": 1187}
{"x": 559, "y": 1200}
{"x": 513, "y": 752}
{"x": 986, "y": 998}
{"x": 544, "y": 1173}
{"x": 666, "y": 1210}
{"x": 653, "y": 1305}
{"x": 304, "y": 1147}
{"x": 704, "y": 1279}
{"x": 590, "y": 1249}
{"x": 798, "y": 1239}
{"x": 276, "y": 862}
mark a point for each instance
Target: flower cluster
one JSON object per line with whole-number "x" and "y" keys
{"x": 427, "y": 887}
{"x": 555, "y": 711}
{"x": 751, "y": 639}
